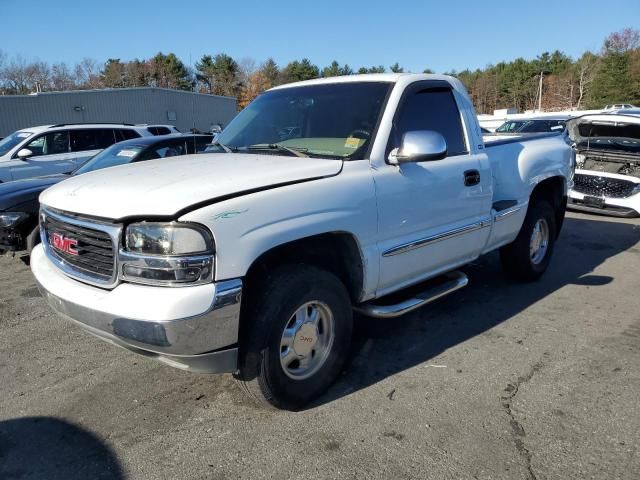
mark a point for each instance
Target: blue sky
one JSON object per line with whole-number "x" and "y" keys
{"x": 442, "y": 36}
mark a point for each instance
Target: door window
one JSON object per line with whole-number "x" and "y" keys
{"x": 93, "y": 139}
{"x": 125, "y": 134}
{"x": 165, "y": 150}
{"x": 198, "y": 144}
{"x": 436, "y": 110}
{"x": 158, "y": 130}
{"x": 49, "y": 144}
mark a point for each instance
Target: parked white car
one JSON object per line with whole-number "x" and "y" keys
{"x": 52, "y": 149}
{"x": 325, "y": 197}
{"x": 618, "y": 106}
{"x": 607, "y": 178}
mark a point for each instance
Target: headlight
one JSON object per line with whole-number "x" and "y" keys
{"x": 11, "y": 219}
{"x": 167, "y": 254}
{"x": 167, "y": 239}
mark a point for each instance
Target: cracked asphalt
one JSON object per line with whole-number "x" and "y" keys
{"x": 497, "y": 381}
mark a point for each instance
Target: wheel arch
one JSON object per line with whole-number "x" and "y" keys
{"x": 337, "y": 252}
{"x": 552, "y": 189}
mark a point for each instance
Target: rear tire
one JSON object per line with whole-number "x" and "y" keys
{"x": 297, "y": 336}
{"x": 528, "y": 256}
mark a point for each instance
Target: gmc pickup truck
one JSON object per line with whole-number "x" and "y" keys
{"x": 323, "y": 198}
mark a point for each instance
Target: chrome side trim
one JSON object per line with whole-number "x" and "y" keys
{"x": 457, "y": 280}
{"x": 422, "y": 242}
{"x": 113, "y": 230}
{"x": 506, "y": 213}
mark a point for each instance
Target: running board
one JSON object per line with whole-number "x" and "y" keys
{"x": 453, "y": 281}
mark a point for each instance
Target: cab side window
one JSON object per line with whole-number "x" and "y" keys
{"x": 432, "y": 109}
{"x": 49, "y": 144}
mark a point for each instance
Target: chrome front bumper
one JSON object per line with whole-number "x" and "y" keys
{"x": 205, "y": 342}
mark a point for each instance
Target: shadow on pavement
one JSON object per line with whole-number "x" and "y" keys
{"x": 382, "y": 348}
{"x": 53, "y": 449}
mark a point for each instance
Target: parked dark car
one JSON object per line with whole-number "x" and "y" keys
{"x": 19, "y": 204}
{"x": 533, "y": 125}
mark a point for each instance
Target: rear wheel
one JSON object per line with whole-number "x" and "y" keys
{"x": 297, "y": 336}
{"x": 528, "y": 256}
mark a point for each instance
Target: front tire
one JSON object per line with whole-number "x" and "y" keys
{"x": 528, "y": 256}
{"x": 297, "y": 336}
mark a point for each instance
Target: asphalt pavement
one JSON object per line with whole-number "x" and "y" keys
{"x": 497, "y": 381}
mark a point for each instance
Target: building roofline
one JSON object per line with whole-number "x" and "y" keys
{"x": 112, "y": 90}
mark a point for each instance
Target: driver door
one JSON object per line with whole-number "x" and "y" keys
{"x": 433, "y": 215}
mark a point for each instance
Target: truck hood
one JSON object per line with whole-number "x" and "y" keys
{"x": 168, "y": 186}
{"x": 18, "y": 192}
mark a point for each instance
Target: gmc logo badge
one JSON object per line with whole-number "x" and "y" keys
{"x": 64, "y": 244}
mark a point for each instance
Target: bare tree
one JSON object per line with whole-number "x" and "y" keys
{"x": 3, "y": 59}
{"x": 39, "y": 76}
{"x": 61, "y": 77}
{"x": 246, "y": 67}
{"x": 87, "y": 73}
{"x": 16, "y": 76}
{"x": 586, "y": 69}
{"x": 622, "y": 41}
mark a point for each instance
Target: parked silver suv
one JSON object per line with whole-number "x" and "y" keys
{"x": 51, "y": 149}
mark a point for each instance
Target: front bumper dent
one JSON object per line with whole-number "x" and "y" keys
{"x": 191, "y": 328}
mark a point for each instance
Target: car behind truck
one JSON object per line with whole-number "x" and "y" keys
{"x": 323, "y": 198}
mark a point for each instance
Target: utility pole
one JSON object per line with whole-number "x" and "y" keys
{"x": 540, "y": 92}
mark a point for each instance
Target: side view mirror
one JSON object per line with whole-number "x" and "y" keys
{"x": 24, "y": 153}
{"x": 419, "y": 146}
{"x": 217, "y": 128}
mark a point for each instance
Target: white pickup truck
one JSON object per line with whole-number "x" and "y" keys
{"x": 324, "y": 198}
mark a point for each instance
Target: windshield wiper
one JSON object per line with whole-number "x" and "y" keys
{"x": 298, "y": 152}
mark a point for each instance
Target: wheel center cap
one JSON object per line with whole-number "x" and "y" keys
{"x": 536, "y": 242}
{"x": 305, "y": 339}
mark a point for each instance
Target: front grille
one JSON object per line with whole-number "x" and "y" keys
{"x": 602, "y": 186}
{"x": 83, "y": 250}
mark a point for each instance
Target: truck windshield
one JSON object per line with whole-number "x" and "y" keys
{"x": 6, "y": 144}
{"x": 334, "y": 120}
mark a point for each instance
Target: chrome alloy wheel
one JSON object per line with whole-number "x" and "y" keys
{"x": 307, "y": 340}
{"x": 539, "y": 242}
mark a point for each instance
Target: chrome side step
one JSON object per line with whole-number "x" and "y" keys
{"x": 454, "y": 281}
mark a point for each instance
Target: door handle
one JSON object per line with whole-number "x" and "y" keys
{"x": 471, "y": 178}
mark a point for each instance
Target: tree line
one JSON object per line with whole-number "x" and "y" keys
{"x": 611, "y": 75}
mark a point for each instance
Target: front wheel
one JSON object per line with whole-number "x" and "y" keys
{"x": 297, "y": 336}
{"x": 528, "y": 256}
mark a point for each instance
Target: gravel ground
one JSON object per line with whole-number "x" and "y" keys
{"x": 498, "y": 380}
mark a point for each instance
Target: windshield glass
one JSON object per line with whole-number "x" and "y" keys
{"x": 7, "y": 143}
{"x": 534, "y": 126}
{"x": 335, "y": 120}
{"x": 110, "y": 157}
